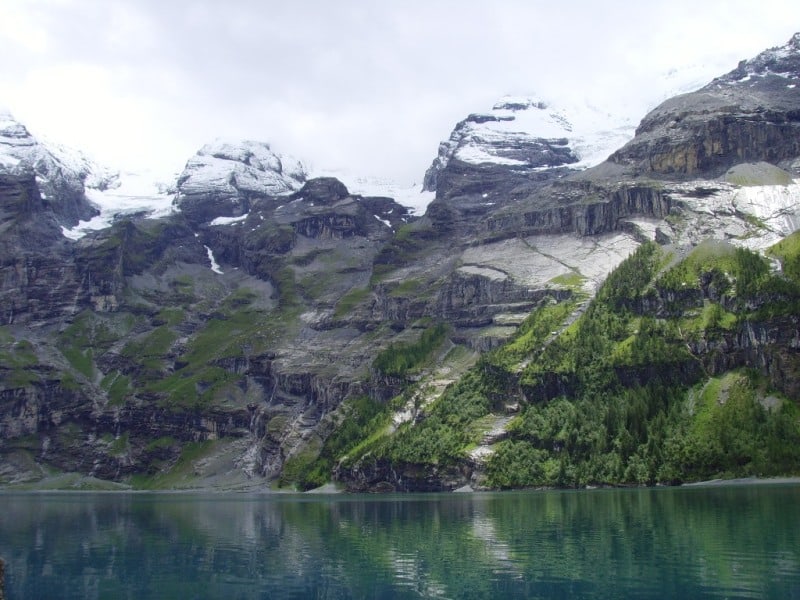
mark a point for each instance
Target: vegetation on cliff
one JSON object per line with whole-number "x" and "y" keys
{"x": 675, "y": 372}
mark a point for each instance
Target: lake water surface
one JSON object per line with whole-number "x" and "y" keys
{"x": 721, "y": 541}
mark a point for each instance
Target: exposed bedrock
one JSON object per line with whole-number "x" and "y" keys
{"x": 583, "y": 209}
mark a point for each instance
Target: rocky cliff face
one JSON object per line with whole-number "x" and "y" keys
{"x": 38, "y": 270}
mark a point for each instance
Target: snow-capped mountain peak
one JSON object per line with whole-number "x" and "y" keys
{"x": 222, "y": 178}
{"x": 531, "y": 133}
{"x": 227, "y": 166}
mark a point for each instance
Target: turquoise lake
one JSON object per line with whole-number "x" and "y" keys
{"x": 716, "y": 542}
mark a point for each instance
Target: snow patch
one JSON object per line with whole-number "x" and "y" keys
{"x": 7, "y": 120}
{"x": 477, "y": 155}
{"x": 412, "y": 196}
{"x": 113, "y": 193}
{"x": 384, "y": 221}
{"x": 229, "y": 220}
{"x": 8, "y": 162}
{"x": 776, "y": 206}
{"x": 214, "y": 264}
{"x": 774, "y": 58}
{"x": 135, "y": 193}
{"x": 21, "y": 152}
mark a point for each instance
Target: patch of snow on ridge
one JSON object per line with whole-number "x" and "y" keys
{"x": 776, "y": 206}
{"x": 111, "y": 192}
{"x": 477, "y": 155}
{"x": 229, "y": 220}
{"x": 214, "y": 265}
{"x": 134, "y": 193}
{"x": 384, "y": 221}
{"x": 22, "y": 152}
{"x": 95, "y": 175}
{"x": 6, "y": 118}
{"x": 8, "y": 162}
{"x": 763, "y": 63}
{"x": 411, "y": 196}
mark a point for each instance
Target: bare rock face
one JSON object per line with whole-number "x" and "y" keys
{"x": 285, "y": 264}
{"x": 296, "y": 230}
{"x": 45, "y": 277}
{"x": 37, "y": 270}
{"x": 322, "y": 190}
{"x": 383, "y": 476}
{"x": 751, "y": 114}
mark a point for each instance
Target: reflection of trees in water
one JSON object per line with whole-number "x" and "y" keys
{"x": 649, "y": 542}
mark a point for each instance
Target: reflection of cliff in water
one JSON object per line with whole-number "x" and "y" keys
{"x": 650, "y": 542}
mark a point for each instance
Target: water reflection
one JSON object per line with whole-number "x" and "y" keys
{"x": 727, "y": 541}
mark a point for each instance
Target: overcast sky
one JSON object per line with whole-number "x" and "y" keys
{"x": 370, "y": 86}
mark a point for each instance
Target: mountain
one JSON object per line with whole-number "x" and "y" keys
{"x": 553, "y": 318}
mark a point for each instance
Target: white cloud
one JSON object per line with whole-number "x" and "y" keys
{"x": 367, "y": 86}
{"x": 21, "y": 29}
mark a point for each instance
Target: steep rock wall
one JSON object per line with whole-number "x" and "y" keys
{"x": 711, "y": 145}
{"x": 584, "y": 210}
